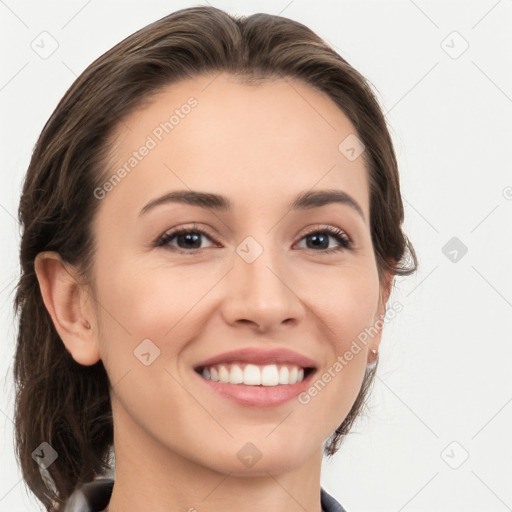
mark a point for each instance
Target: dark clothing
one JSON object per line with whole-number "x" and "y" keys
{"x": 95, "y": 496}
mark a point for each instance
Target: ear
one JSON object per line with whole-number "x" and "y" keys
{"x": 67, "y": 303}
{"x": 385, "y": 291}
{"x": 378, "y": 321}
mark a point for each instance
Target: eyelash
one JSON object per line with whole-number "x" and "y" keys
{"x": 338, "y": 234}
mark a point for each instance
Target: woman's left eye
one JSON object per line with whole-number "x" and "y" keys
{"x": 191, "y": 239}
{"x": 320, "y": 237}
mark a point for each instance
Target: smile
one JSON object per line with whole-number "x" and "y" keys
{"x": 254, "y": 375}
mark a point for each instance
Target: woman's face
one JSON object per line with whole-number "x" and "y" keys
{"x": 265, "y": 276}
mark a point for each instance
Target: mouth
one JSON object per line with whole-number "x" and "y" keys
{"x": 247, "y": 374}
{"x": 252, "y": 377}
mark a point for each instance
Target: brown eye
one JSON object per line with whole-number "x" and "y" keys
{"x": 319, "y": 239}
{"x": 187, "y": 239}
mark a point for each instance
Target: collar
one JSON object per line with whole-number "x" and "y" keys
{"x": 94, "y": 496}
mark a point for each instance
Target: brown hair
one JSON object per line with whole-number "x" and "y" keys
{"x": 66, "y": 404}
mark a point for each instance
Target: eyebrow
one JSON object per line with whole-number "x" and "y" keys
{"x": 303, "y": 201}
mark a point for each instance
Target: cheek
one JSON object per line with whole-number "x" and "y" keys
{"x": 147, "y": 317}
{"x": 345, "y": 302}
{"x": 140, "y": 302}
{"x": 346, "y": 312}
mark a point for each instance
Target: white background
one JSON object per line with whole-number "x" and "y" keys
{"x": 445, "y": 373}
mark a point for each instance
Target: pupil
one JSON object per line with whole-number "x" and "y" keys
{"x": 189, "y": 237}
{"x": 316, "y": 237}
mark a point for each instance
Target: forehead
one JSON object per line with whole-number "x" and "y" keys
{"x": 212, "y": 133}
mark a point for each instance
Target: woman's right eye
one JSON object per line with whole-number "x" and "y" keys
{"x": 189, "y": 237}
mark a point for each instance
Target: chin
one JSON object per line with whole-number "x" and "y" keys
{"x": 274, "y": 464}
{"x": 261, "y": 456}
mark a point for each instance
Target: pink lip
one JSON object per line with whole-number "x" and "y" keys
{"x": 259, "y": 396}
{"x": 260, "y": 357}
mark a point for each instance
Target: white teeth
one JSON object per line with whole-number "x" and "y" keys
{"x": 283, "y": 375}
{"x": 253, "y": 375}
{"x": 214, "y": 375}
{"x": 223, "y": 374}
{"x": 237, "y": 375}
{"x": 270, "y": 375}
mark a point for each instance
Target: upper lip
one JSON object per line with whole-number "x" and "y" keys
{"x": 259, "y": 357}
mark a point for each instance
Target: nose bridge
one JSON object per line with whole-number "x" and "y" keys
{"x": 258, "y": 266}
{"x": 260, "y": 288}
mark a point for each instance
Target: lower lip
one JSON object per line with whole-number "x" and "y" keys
{"x": 258, "y": 396}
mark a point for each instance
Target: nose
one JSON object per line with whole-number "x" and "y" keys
{"x": 262, "y": 293}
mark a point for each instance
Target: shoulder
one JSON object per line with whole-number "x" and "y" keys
{"x": 329, "y": 504}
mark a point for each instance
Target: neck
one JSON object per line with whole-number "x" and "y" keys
{"x": 150, "y": 476}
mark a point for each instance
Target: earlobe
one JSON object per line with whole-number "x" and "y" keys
{"x": 63, "y": 297}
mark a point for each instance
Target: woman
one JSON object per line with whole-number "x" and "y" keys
{"x": 211, "y": 225}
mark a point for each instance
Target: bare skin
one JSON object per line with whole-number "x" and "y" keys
{"x": 176, "y": 441}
